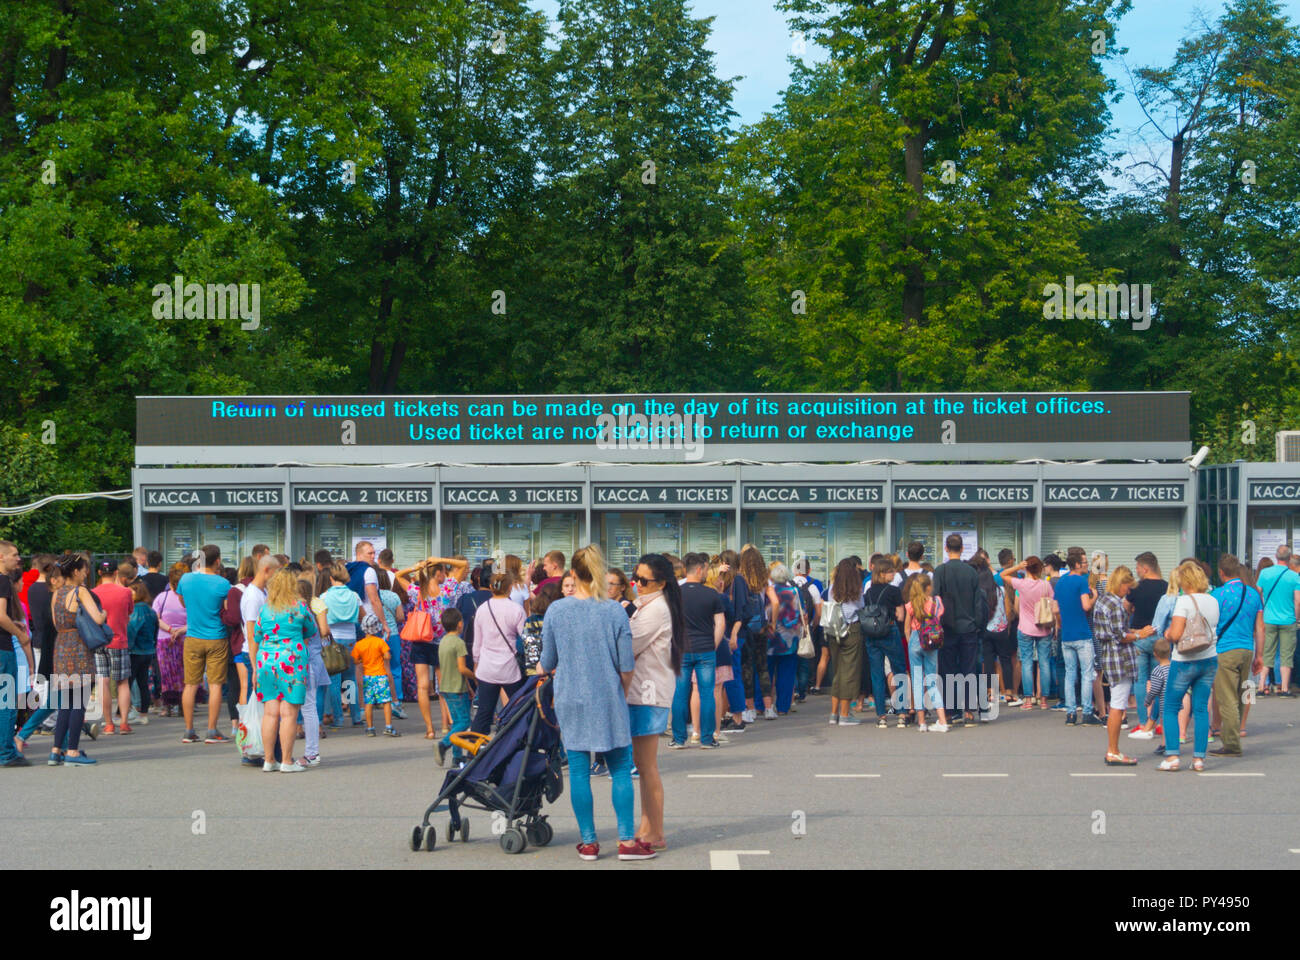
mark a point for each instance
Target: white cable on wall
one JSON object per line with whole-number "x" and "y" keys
{"x": 30, "y": 507}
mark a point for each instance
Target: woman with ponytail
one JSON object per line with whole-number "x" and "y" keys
{"x": 587, "y": 641}
{"x": 658, "y": 642}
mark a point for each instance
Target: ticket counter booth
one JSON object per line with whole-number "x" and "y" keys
{"x": 1249, "y": 509}
{"x": 181, "y": 516}
{"x": 843, "y": 516}
{"x": 996, "y": 513}
{"x": 335, "y": 513}
{"x": 527, "y": 519}
{"x": 1122, "y": 510}
{"x": 662, "y": 510}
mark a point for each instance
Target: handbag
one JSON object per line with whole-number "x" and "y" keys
{"x": 806, "y": 649}
{"x": 514, "y": 650}
{"x": 93, "y": 635}
{"x": 1197, "y": 634}
{"x": 334, "y": 658}
{"x": 418, "y": 627}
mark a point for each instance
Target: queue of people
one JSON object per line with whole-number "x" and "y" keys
{"x": 693, "y": 649}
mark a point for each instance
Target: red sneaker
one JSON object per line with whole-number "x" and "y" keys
{"x": 636, "y": 850}
{"x": 108, "y": 730}
{"x": 124, "y": 729}
{"x": 589, "y": 851}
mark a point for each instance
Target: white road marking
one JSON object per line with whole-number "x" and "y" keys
{"x": 1103, "y": 774}
{"x": 719, "y": 776}
{"x": 969, "y": 775}
{"x": 1203, "y": 774}
{"x": 730, "y": 859}
{"x": 847, "y": 776}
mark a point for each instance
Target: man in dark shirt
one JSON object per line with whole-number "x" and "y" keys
{"x": 706, "y": 625}
{"x": 957, "y": 584}
{"x": 1141, "y": 603}
{"x": 12, "y": 627}
{"x": 155, "y": 581}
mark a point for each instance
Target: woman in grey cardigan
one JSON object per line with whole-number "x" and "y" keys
{"x": 587, "y": 642}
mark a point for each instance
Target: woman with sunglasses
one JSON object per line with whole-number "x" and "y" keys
{"x": 658, "y": 641}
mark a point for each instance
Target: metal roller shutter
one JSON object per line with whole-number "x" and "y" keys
{"x": 1122, "y": 534}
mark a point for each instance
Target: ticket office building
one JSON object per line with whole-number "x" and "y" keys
{"x": 1247, "y": 509}
{"x": 826, "y": 512}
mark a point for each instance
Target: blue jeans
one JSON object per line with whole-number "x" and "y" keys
{"x": 1026, "y": 646}
{"x": 1058, "y": 673}
{"x": 803, "y": 675}
{"x": 458, "y": 706}
{"x": 8, "y": 701}
{"x": 878, "y": 648}
{"x": 1197, "y": 676}
{"x": 1146, "y": 662}
{"x": 336, "y": 689}
{"x": 704, "y": 666}
{"x": 735, "y": 687}
{"x": 1078, "y": 669}
{"x": 620, "y": 771}
{"x": 926, "y": 692}
{"x": 395, "y": 665}
{"x": 783, "y": 670}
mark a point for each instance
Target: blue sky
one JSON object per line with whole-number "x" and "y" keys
{"x": 752, "y": 40}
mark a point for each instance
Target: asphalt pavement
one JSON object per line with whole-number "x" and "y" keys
{"x": 1021, "y": 791}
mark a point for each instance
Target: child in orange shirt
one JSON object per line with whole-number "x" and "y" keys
{"x": 372, "y": 653}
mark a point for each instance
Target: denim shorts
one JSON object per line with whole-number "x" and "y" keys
{"x": 647, "y": 721}
{"x": 242, "y": 657}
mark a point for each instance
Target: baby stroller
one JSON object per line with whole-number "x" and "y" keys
{"x": 509, "y": 773}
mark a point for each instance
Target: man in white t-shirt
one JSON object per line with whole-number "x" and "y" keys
{"x": 365, "y": 553}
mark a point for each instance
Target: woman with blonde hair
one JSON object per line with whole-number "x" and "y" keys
{"x": 280, "y": 649}
{"x": 587, "y": 642}
{"x": 922, "y": 604}
{"x": 1194, "y": 661}
{"x": 1117, "y": 656}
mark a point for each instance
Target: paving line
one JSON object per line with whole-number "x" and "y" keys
{"x": 847, "y": 776}
{"x": 1103, "y": 774}
{"x": 1230, "y": 774}
{"x": 719, "y": 776}
{"x": 975, "y": 775}
{"x": 730, "y": 859}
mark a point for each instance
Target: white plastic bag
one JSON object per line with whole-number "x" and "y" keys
{"x": 248, "y": 735}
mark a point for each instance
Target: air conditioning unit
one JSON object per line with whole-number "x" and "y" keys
{"x": 1288, "y": 446}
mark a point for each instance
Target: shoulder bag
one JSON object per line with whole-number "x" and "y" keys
{"x": 1197, "y": 633}
{"x": 514, "y": 649}
{"x": 94, "y": 635}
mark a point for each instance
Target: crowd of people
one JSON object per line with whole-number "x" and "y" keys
{"x": 693, "y": 649}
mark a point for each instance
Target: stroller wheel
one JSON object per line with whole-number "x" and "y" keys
{"x": 464, "y": 829}
{"x": 540, "y": 833}
{"x": 417, "y": 838}
{"x": 430, "y": 838}
{"x": 513, "y": 840}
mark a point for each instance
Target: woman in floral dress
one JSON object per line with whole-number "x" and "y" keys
{"x": 280, "y": 651}
{"x": 171, "y": 641}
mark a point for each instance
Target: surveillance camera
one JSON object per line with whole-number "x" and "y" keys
{"x": 1199, "y": 457}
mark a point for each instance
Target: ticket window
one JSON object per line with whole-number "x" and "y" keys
{"x": 825, "y": 538}
{"x": 994, "y": 530}
{"x": 408, "y": 535}
{"x": 529, "y": 536}
{"x": 234, "y": 533}
{"x": 626, "y": 536}
{"x": 1269, "y": 530}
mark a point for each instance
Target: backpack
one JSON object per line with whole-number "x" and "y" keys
{"x": 1045, "y": 612}
{"x": 929, "y": 628}
{"x": 754, "y": 620}
{"x": 232, "y": 617}
{"x": 357, "y": 577}
{"x": 1198, "y": 634}
{"x": 833, "y": 624}
{"x": 874, "y": 619}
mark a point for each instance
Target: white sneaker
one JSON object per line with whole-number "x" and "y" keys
{"x": 923, "y": 728}
{"x": 270, "y": 766}
{"x": 749, "y": 716}
{"x": 938, "y": 728}
{"x": 291, "y": 768}
{"x": 1140, "y": 734}
{"x": 834, "y": 719}
{"x": 133, "y": 716}
{"x": 719, "y": 738}
{"x": 769, "y": 713}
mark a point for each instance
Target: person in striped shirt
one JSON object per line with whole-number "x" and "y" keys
{"x": 1155, "y": 693}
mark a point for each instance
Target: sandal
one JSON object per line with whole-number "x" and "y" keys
{"x": 1119, "y": 760}
{"x": 1027, "y": 704}
{"x": 1198, "y": 764}
{"x": 1170, "y": 764}
{"x": 431, "y": 736}
{"x": 652, "y": 846}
